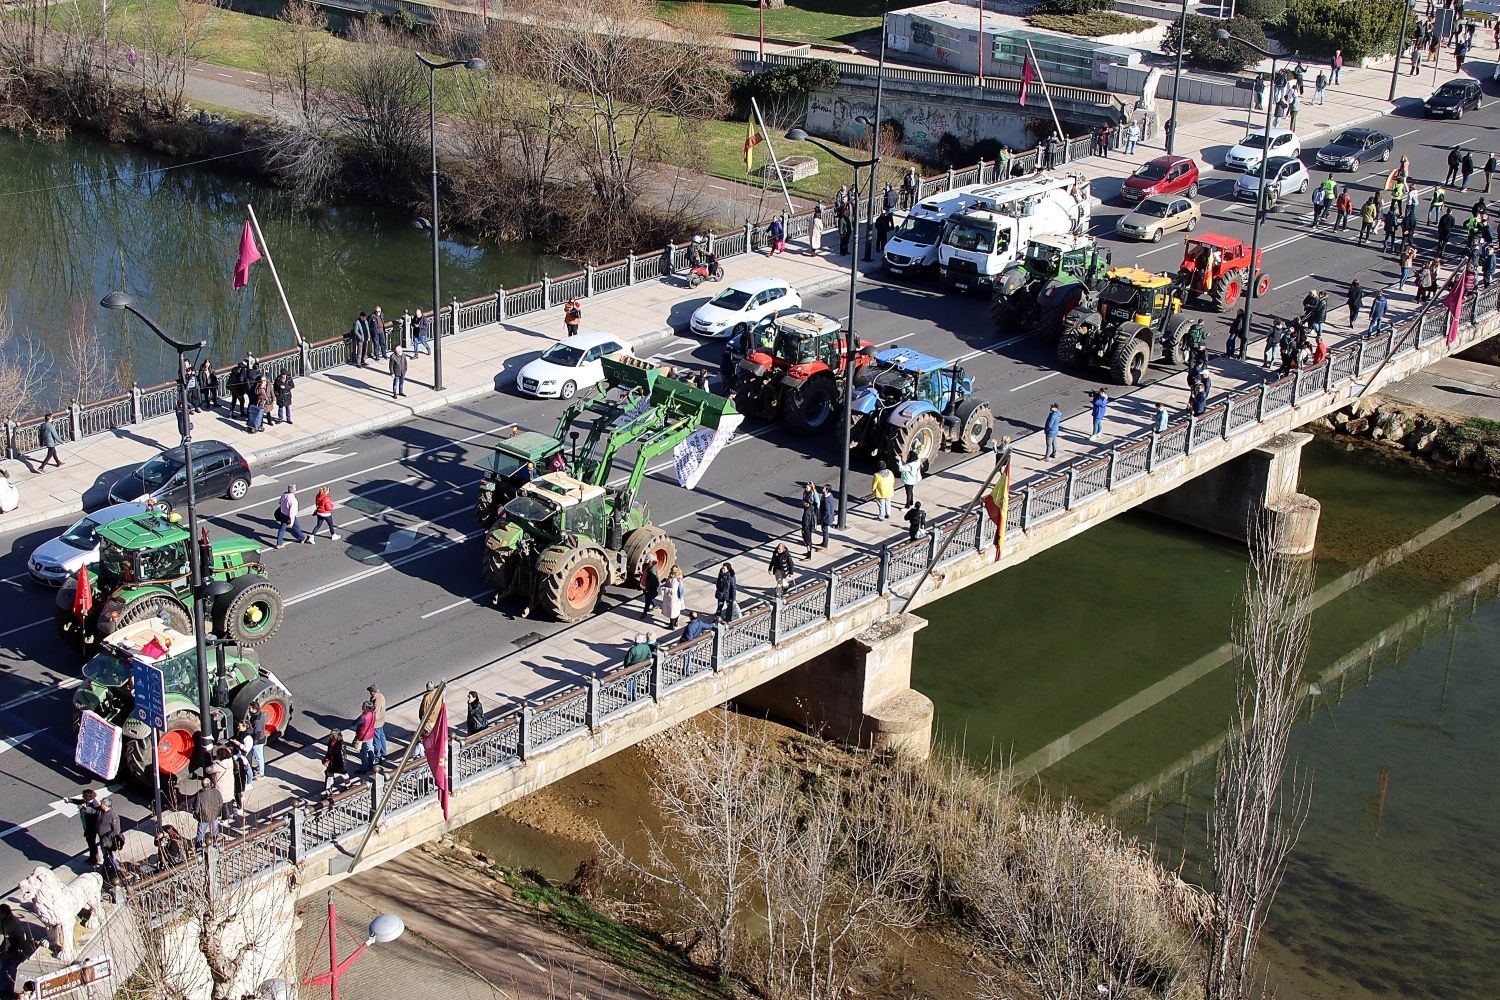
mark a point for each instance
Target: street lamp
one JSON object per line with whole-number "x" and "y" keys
{"x": 437, "y": 300}
{"x": 875, "y": 131}
{"x": 384, "y": 929}
{"x": 1260, "y": 193}
{"x": 800, "y": 135}
{"x": 202, "y": 592}
{"x": 1177, "y": 80}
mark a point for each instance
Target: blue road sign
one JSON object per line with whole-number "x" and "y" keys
{"x": 150, "y": 695}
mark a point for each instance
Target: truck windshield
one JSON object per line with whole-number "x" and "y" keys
{"x": 973, "y": 235}
{"x": 501, "y": 464}
{"x": 923, "y": 232}
{"x": 1118, "y": 294}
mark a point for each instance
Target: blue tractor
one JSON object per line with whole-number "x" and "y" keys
{"x": 908, "y": 402}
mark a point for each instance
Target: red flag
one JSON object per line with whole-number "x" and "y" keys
{"x": 249, "y": 254}
{"x": 997, "y": 505}
{"x": 83, "y": 595}
{"x": 435, "y": 744}
{"x": 1028, "y": 73}
{"x": 1463, "y": 282}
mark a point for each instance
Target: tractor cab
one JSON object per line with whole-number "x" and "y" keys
{"x": 576, "y": 507}
{"x": 1133, "y": 295}
{"x": 1216, "y": 268}
{"x": 512, "y": 464}
{"x": 142, "y": 548}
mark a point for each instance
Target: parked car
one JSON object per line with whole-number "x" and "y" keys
{"x": 58, "y": 560}
{"x": 1453, "y": 98}
{"x": 1284, "y": 174}
{"x": 1158, "y": 215}
{"x": 1246, "y": 154}
{"x": 569, "y": 365}
{"x": 1163, "y": 175}
{"x": 742, "y": 305}
{"x": 1355, "y": 146}
{"x": 218, "y": 470}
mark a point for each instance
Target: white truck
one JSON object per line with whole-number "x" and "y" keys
{"x": 912, "y": 247}
{"x": 979, "y": 242}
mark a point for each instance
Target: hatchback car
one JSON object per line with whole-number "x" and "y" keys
{"x": 1453, "y": 98}
{"x": 1246, "y": 154}
{"x": 1285, "y": 175}
{"x": 1158, "y": 215}
{"x": 569, "y": 365}
{"x": 743, "y": 304}
{"x": 1163, "y": 175}
{"x": 1355, "y": 146}
{"x": 218, "y": 470}
{"x": 57, "y": 561}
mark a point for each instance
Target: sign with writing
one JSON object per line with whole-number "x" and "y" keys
{"x": 694, "y": 455}
{"x": 150, "y": 694}
{"x": 98, "y": 747}
{"x": 70, "y": 978}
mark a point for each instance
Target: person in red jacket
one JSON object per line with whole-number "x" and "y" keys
{"x": 323, "y": 513}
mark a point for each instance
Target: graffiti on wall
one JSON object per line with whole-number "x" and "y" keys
{"x": 924, "y": 122}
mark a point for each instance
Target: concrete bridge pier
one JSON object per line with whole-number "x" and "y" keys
{"x": 1260, "y": 483}
{"x": 858, "y": 693}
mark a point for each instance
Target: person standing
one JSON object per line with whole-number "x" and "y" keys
{"x": 283, "y": 391}
{"x": 260, "y": 402}
{"x": 378, "y": 342}
{"x": 776, "y": 237}
{"x": 1320, "y": 89}
{"x": 884, "y": 223}
{"x": 909, "y": 471}
{"x": 883, "y": 487}
{"x": 236, "y": 384}
{"x": 1293, "y": 105}
{"x": 208, "y": 809}
{"x": 888, "y": 200}
{"x": 323, "y": 513}
{"x": 256, "y": 716}
{"x": 1099, "y": 406}
{"x": 1355, "y": 300}
{"x": 1132, "y": 136}
{"x": 1344, "y": 207}
{"x": 1159, "y": 423}
{"x": 1491, "y": 165}
{"x": 916, "y": 520}
{"x": 1435, "y": 201}
{"x": 378, "y": 700}
{"x": 111, "y": 840}
{"x": 1444, "y": 233}
{"x": 1408, "y": 264}
{"x": 1273, "y": 343}
{"x": 809, "y": 519}
{"x": 815, "y": 231}
{"x": 422, "y": 337}
{"x": 1377, "y": 311}
{"x": 16, "y": 947}
{"x": 364, "y": 732}
{"x": 1051, "y": 429}
{"x": 88, "y": 815}
{"x": 1336, "y": 65}
{"x": 49, "y": 437}
{"x": 208, "y": 386}
{"x": 572, "y": 316}
{"x": 361, "y": 335}
{"x": 909, "y": 185}
{"x": 828, "y": 511}
{"x": 1237, "y": 338}
{"x": 286, "y": 519}
{"x": 674, "y": 598}
{"x": 846, "y": 233}
{"x": 1465, "y": 170}
{"x": 650, "y": 587}
{"x": 473, "y": 714}
{"x": 1409, "y": 220}
{"x": 781, "y": 567}
{"x": 726, "y": 594}
{"x": 335, "y": 766}
{"x": 398, "y": 366}
{"x": 244, "y": 756}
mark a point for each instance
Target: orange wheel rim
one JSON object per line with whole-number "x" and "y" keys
{"x": 583, "y": 585}
{"x": 174, "y": 751}
{"x": 660, "y": 555}
{"x": 275, "y": 716}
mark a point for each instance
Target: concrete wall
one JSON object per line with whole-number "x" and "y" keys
{"x": 1224, "y": 93}
{"x": 831, "y": 114}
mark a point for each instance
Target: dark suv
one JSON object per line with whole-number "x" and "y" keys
{"x": 218, "y": 470}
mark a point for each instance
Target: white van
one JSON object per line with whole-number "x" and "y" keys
{"x": 912, "y": 247}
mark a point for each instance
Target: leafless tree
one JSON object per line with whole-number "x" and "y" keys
{"x": 378, "y": 96}
{"x": 171, "y": 35}
{"x": 1255, "y": 820}
{"x": 83, "y": 371}
{"x": 299, "y": 54}
{"x": 22, "y": 371}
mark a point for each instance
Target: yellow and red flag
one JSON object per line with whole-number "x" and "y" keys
{"x": 997, "y": 505}
{"x": 753, "y": 138}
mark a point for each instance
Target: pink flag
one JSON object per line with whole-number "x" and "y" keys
{"x": 1454, "y": 300}
{"x": 434, "y": 744}
{"x": 1028, "y": 73}
{"x": 249, "y": 254}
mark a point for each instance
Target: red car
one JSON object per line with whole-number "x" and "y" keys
{"x": 1163, "y": 175}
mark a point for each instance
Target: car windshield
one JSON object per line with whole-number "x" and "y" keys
{"x": 1256, "y": 141}
{"x": 1154, "y": 209}
{"x": 81, "y": 535}
{"x": 970, "y": 235}
{"x": 922, "y": 231}
{"x": 1152, "y": 171}
{"x": 160, "y": 471}
{"x": 107, "y": 670}
{"x": 565, "y": 355}
{"x": 733, "y": 299}
{"x": 1350, "y": 139}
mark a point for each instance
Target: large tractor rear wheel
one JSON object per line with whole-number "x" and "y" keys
{"x": 175, "y": 749}
{"x": 1073, "y": 342}
{"x": 922, "y": 436}
{"x": 271, "y": 699}
{"x": 135, "y": 758}
{"x": 251, "y": 613}
{"x": 157, "y": 604}
{"x": 809, "y": 409}
{"x": 649, "y": 542}
{"x": 975, "y": 425}
{"x": 1229, "y": 288}
{"x": 571, "y": 592}
{"x": 1177, "y": 346}
{"x": 1129, "y": 360}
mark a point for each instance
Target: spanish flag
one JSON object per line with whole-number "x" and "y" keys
{"x": 997, "y": 505}
{"x": 753, "y": 138}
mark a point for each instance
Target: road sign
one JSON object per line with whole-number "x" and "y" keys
{"x": 98, "y": 747}
{"x": 150, "y": 694}
{"x": 67, "y": 979}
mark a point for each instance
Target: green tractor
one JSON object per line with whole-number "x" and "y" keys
{"x": 143, "y": 573}
{"x": 567, "y": 534}
{"x": 516, "y": 461}
{"x": 240, "y": 681}
{"x": 1052, "y": 277}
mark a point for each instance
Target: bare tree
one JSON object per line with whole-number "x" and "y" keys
{"x": 170, "y": 36}
{"x": 378, "y": 95}
{"x": 299, "y": 54}
{"x": 84, "y": 372}
{"x": 22, "y": 371}
{"x": 1255, "y": 821}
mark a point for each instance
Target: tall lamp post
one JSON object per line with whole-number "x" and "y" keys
{"x": 1260, "y": 193}
{"x": 203, "y": 592}
{"x": 385, "y": 928}
{"x": 800, "y": 135}
{"x": 1400, "y": 48}
{"x": 875, "y": 139}
{"x": 1177, "y": 80}
{"x": 437, "y": 299}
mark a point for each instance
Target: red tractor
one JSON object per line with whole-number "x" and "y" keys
{"x": 791, "y": 368}
{"x": 1217, "y": 268}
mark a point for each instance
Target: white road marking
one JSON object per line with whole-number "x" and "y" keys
{"x": 1403, "y": 135}
{"x": 532, "y": 962}
{"x": 61, "y": 807}
{"x": 22, "y": 628}
{"x": 1036, "y": 380}
{"x": 1289, "y": 284}
{"x": 62, "y": 685}
{"x": 691, "y": 513}
{"x": 456, "y": 604}
{"x": 9, "y": 742}
{"x": 1170, "y": 246}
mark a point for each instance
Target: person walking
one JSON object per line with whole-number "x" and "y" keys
{"x": 88, "y": 815}
{"x": 111, "y": 841}
{"x": 397, "y": 365}
{"x": 1344, "y": 208}
{"x": 674, "y": 596}
{"x": 1409, "y": 221}
{"x": 1377, "y": 311}
{"x": 50, "y": 437}
{"x": 422, "y": 333}
{"x": 883, "y": 487}
{"x": 650, "y": 588}
{"x": 781, "y": 567}
{"x": 1320, "y": 88}
{"x": 776, "y": 237}
{"x": 1273, "y": 343}
{"x": 1099, "y": 406}
{"x": 286, "y": 519}
{"x": 1465, "y": 170}
{"x": 208, "y": 386}
{"x": 809, "y": 519}
{"x": 364, "y": 733}
{"x": 572, "y": 316}
{"x": 1444, "y": 233}
{"x": 1051, "y": 429}
{"x": 1455, "y": 161}
{"x": 1369, "y": 214}
{"x": 916, "y": 520}
{"x": 1355, "y": 300}
{"x": 1408, "y": 264}
{"x": 726, "y": 594}
{"x": 828, "y": 512}
{"x": 283, "y": 392}
{"x": 1491, "y": 165}
{"x": 323, "y": 513}
{"x": 208, "y": 809}
{"x": 335, "y": 764}
{"x": 473, "y": 714}
{"x": 1435, "y": 200}
{"x": 909, "y": 470}
{"x": 1319, "y": 206}
{"x": 378, "y": 700}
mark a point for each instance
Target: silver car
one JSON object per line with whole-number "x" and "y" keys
{"x": 1284, "y": 175}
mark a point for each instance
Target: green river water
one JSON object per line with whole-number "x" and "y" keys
{"x": 80, "y": 217}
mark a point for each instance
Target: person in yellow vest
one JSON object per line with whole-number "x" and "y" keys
{"x": 883, "y": 486}
{"x": 1435, "y": 203}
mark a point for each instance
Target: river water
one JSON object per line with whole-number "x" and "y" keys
{"x": 1110, "y": 679}
{"x": 80, "y": 217}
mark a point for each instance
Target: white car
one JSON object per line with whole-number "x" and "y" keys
{"x": 55, "y": 562}
{"x": 743, "y": 304}
{"x": 569, "y": 365}
{"x": 1246, "y": 155}
{"x": 1285, "y": 177}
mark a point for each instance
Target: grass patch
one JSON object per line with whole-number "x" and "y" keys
{"x": 798, "y": 21}
{"x": 724, "y": 147}
{"x": 1093, "y": 24}
{"x": 642, "y": 955}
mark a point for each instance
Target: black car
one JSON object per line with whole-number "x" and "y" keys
{"x": 1355, "y": 146}
{"x": 218, "y": 470}
{"x": 1453, "y": 99}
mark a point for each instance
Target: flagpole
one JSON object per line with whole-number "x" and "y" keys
{"x": 771, "y": 148}
{"x": 266, "y": 249}
{"x": 1002, "y": 461}
{"x": 1036, "y": 68}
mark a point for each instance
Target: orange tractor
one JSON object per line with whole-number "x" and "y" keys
{"x": 1217, "y": 269}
